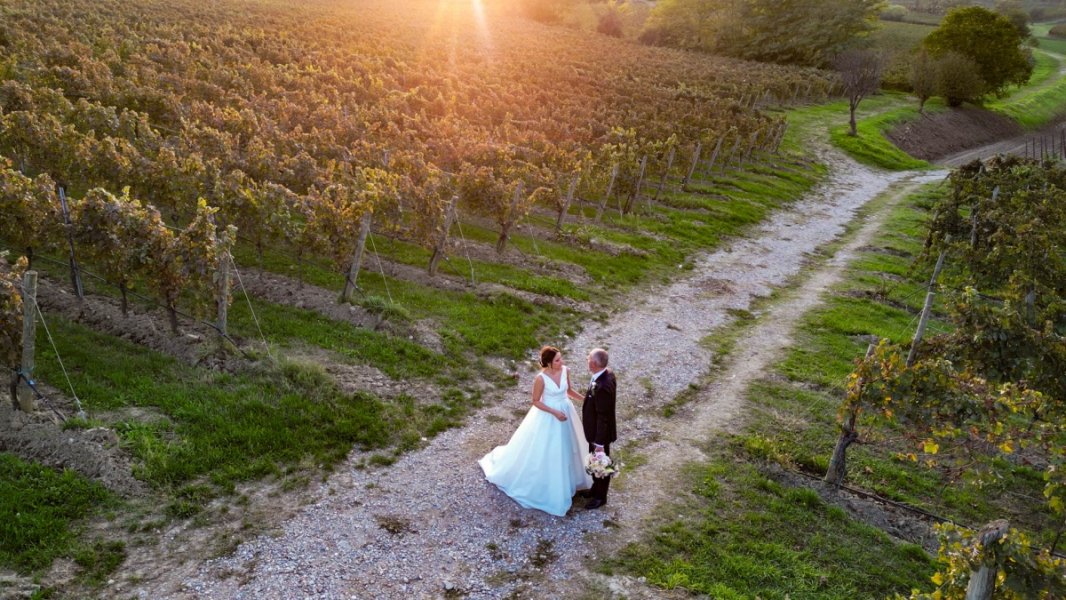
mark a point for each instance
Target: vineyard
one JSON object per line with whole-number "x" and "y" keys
{"x": 402, "y": 198}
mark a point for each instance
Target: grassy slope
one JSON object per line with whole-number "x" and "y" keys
{"x": 1032, "y": 106}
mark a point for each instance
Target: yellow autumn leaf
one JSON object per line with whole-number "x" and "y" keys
{"x": 930, "y": 447}
{"x": 938, "y": 579}
{"x": 1007, "y": 447}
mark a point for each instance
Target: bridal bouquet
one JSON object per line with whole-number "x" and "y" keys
{"x": 601, "y": 466}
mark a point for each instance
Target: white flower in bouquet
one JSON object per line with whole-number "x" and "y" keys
{"x": 601, "y": 466}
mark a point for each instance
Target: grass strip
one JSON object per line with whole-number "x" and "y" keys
{"x": 230, "y": 427}
{"x": 743, "y": 535}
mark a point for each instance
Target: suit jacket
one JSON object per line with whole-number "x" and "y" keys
{"x": 597, "y": 414}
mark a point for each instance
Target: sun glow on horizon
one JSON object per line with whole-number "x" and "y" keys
{"x": 453, "y": 20}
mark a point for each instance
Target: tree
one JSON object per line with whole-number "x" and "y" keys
{"x": 923, "y": 78}
{"x": 990, "y": 40}
{"x": 958, "y": 79}
{"x": 1015, "y": 13}
{"x": 802, "y": 32}
{"x": 860, "y": 72}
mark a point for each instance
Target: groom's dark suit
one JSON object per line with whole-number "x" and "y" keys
{"x": 597, "y": 417}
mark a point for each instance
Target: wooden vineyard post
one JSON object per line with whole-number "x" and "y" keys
{"x": 732, "y": 151}
{"x": 357, "y": 258}
{"x": 714, "y": 154}
{"x": 666, "y": 172}
{"x": 25, "y": 395}
{"x": 438, "y": 248}
{"x": 75, "y": 274}
{"x": 926, "y": 309}
{"x": 751, "y": 146}
{"x": 223, "y": 295}
{"x": 779, "y": 136}
{"x": 505, "y": 231}
{"x": 692, "y": 167}
{"x": 634, "y": 195}
{"x": 983, "y": 579}
{"x": 567, "y": 201}
{"x": 610, "y": 187}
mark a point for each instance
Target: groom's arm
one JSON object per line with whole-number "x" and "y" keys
{"x": 603, "y": 399}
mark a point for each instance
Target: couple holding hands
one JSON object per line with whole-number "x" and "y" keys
{"x": 544, "y": 463}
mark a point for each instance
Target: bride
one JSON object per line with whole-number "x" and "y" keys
{"x": 543, "y": 464}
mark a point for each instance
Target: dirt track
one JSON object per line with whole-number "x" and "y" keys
{"x": 429, "y": 525}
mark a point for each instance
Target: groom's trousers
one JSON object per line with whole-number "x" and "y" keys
{"x": 600, "y": 485}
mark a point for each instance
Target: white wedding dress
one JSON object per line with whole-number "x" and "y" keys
{"x": 544, "y": 462}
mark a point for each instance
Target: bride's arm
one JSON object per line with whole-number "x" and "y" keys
{"x": 538, "y": 392}
{"x": 570, "y": 393}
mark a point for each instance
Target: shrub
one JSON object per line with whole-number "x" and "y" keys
{"x": 894, "y": 12}
{"x": 1058, "y": 30}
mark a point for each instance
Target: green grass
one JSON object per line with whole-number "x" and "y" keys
{"x": 744, "y": 535}
{"x": 1036, "y": 106}
{"x": 40, "y": 512}
{"x": 871, "y": 147}
{"x": 497, "y": 324}
{"x": 398, "y": 358}
{"x": 231, "y": 427}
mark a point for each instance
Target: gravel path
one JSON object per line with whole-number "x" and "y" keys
{"x": 429, "y": 526}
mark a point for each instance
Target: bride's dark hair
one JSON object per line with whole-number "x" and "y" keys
{"x": 547, "y": 355}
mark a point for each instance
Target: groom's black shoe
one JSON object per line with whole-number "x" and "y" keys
{"x": 594, "y": 504}
{"x": 584, "y": 493}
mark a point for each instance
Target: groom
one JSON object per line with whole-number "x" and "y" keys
{"x": 597, "y": 416}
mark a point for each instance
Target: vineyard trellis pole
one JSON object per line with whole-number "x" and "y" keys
{"x": 926, "y": 309}
{"x": 732, "y": 152}
{"x": 983, "y": 579}
{"x": 692, "y": 168}
{"x": 607, "y": 196}
{"x": 75, "y": 276}
{"x": 26, "y": 399}
{"x": 567, "y": 201}
{"x": 438, "y": 248}
{"x": 782, "y": 129}
{"x": 357, "y": 258}
{"x": 634, "y": 195}
{"x": 666, "y": 172}
{"x": 714, "y": 154}
{"x": 751, "y": 146}
{"x": 224, "y": 285}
